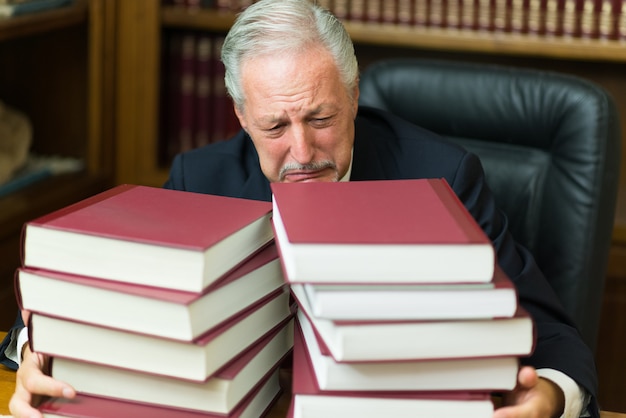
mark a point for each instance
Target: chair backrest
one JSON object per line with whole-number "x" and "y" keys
{"x": 550, "y": 146}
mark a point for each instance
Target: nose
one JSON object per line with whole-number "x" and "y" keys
{"x": 302, "y": 144}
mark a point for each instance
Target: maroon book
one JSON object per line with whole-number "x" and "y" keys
{"x": 220, "y": 394}
{"x": 85, "y": 406}
{"x": 308, "y": 398}
{"x": 148, "y": 235}
{"x": 196, "y": 360}
{"x": 150, "y": 310}
{"x": 474, "y": 374}
{"x": 402, "y": 231}
{"x": 366, "y": 341}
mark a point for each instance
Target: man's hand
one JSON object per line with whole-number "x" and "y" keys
{"x": 534, "y": 397}
{"x": 32, "y": 385}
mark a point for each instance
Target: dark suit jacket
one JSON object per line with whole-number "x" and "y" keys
{"x": 387, "y": 147}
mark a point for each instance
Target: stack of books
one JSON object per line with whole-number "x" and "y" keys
{"x": 403, "y": 310}
{"x": 154, "y": 302}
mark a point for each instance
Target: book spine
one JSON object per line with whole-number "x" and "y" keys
{"x": 437, "y": 14}
{"x": 341, "y": 9}
{"x": 187, "y": 91}
{"x": 357, "y": 10}
{"x": 388, "y": 12}
{"x": 405, "y": 12}
{"x": 420, "y": 12}
{"x": 203, "y": 90}
{"x": 453, "y": 19}
{"x": 218, "y": 92}
{"x": 373, "y": 11}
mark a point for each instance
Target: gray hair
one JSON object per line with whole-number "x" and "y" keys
{"x": 270, "y": 27}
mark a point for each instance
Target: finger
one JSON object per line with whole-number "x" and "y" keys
{"x": 527, "y": 377}
{"x": 20, "y": 407}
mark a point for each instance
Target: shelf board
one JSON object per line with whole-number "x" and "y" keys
{"x": 487, "y": 42}
{"x": 431, "y": 38}
{"x": 41, "y": 22}
{"x": 45, "y": 196}
{"x": 202, "y": 19}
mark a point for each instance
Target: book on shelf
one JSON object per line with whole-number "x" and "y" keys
{"x": 187, "y": 91}
{"x": 9, "y": 9}
{"x": 37, "y": 168}
{"x": 149, "y": 310}
{"x": 381, "y": 301}
{"x": 220, "y": 394}
{"x": 475, "y": 374}
{"x": 362, "y": 341}
{"x": 149, "y": 236}
{"x": 396, "y": 231}
{"x": 197, "y": 360}
{"x": 256, "y": 405}
{"x": 202, "y": 105}
{"x": 309, "y": 400}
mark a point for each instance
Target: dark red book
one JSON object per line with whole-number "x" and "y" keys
{"x": 85, "y": 406}
{"x": 366, "y": 341}
{"x": 150, "y": 310}
{"x": 220, "y": 394}
{"x": 392, "y": 231}
{"x": 187, "y": 92}
{"x": 221, "y": 104}
{"x": 150, "y": 236}
{"x": 309, "y": 400}
{"x": 475, "y": 374}
{"x": 381, "y": 301}
{"x": 197, "y": 360}
{"x": 202, "y": 105}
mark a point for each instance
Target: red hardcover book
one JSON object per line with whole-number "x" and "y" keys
{"x": 220, "y": 103}
{"x": 85, "y": 406}
{"x": 394, "y": 231}
{"x": 202, "y": 106}
{"x": 420, "y": 12}
{"x": 309, "y": 400}
{"x": 197, "y": 360}
{"x": 150, "y": 236}
{"x": 149, "y": 310}
{"x": 187, "y": 92}
{"x": 373, "y": 11}
{"x": 406, "y": 10}
{"x": 220, "y": 394}
{"x": 479, "y": 374}
{"x": 357, "y": 10}
{"x": 383, "y": 302}
{"x": 365, "y": 341}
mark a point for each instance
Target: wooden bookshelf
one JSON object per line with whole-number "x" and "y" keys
{"x": 53, "y": 71}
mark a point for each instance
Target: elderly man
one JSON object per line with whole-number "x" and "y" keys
{"x": 293, "y": 76}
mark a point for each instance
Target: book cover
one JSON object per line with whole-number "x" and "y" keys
{"x": 479, "y": 374}
{"x": 494, "y": 299}
{"x": 86, "y": 406}
{"x": 17, "y": 9}
{"x": 309, "y": 400}
{"x": 220, "y": 394}
{"x": 402, "y": 231}
{"x": 150, "y": 236}
{"x": 197, "y": 360}
{"x": 150, "y": 310}
{"x": 363, "y": 341}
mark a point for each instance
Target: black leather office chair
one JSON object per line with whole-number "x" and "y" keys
{"x": 550, "y": 146}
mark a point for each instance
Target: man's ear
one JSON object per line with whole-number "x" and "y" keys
{"x": 240, "y": 115}
{"x": 355, "y": 100}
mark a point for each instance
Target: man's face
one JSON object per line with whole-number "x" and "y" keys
{"x": 299, "y": 116}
